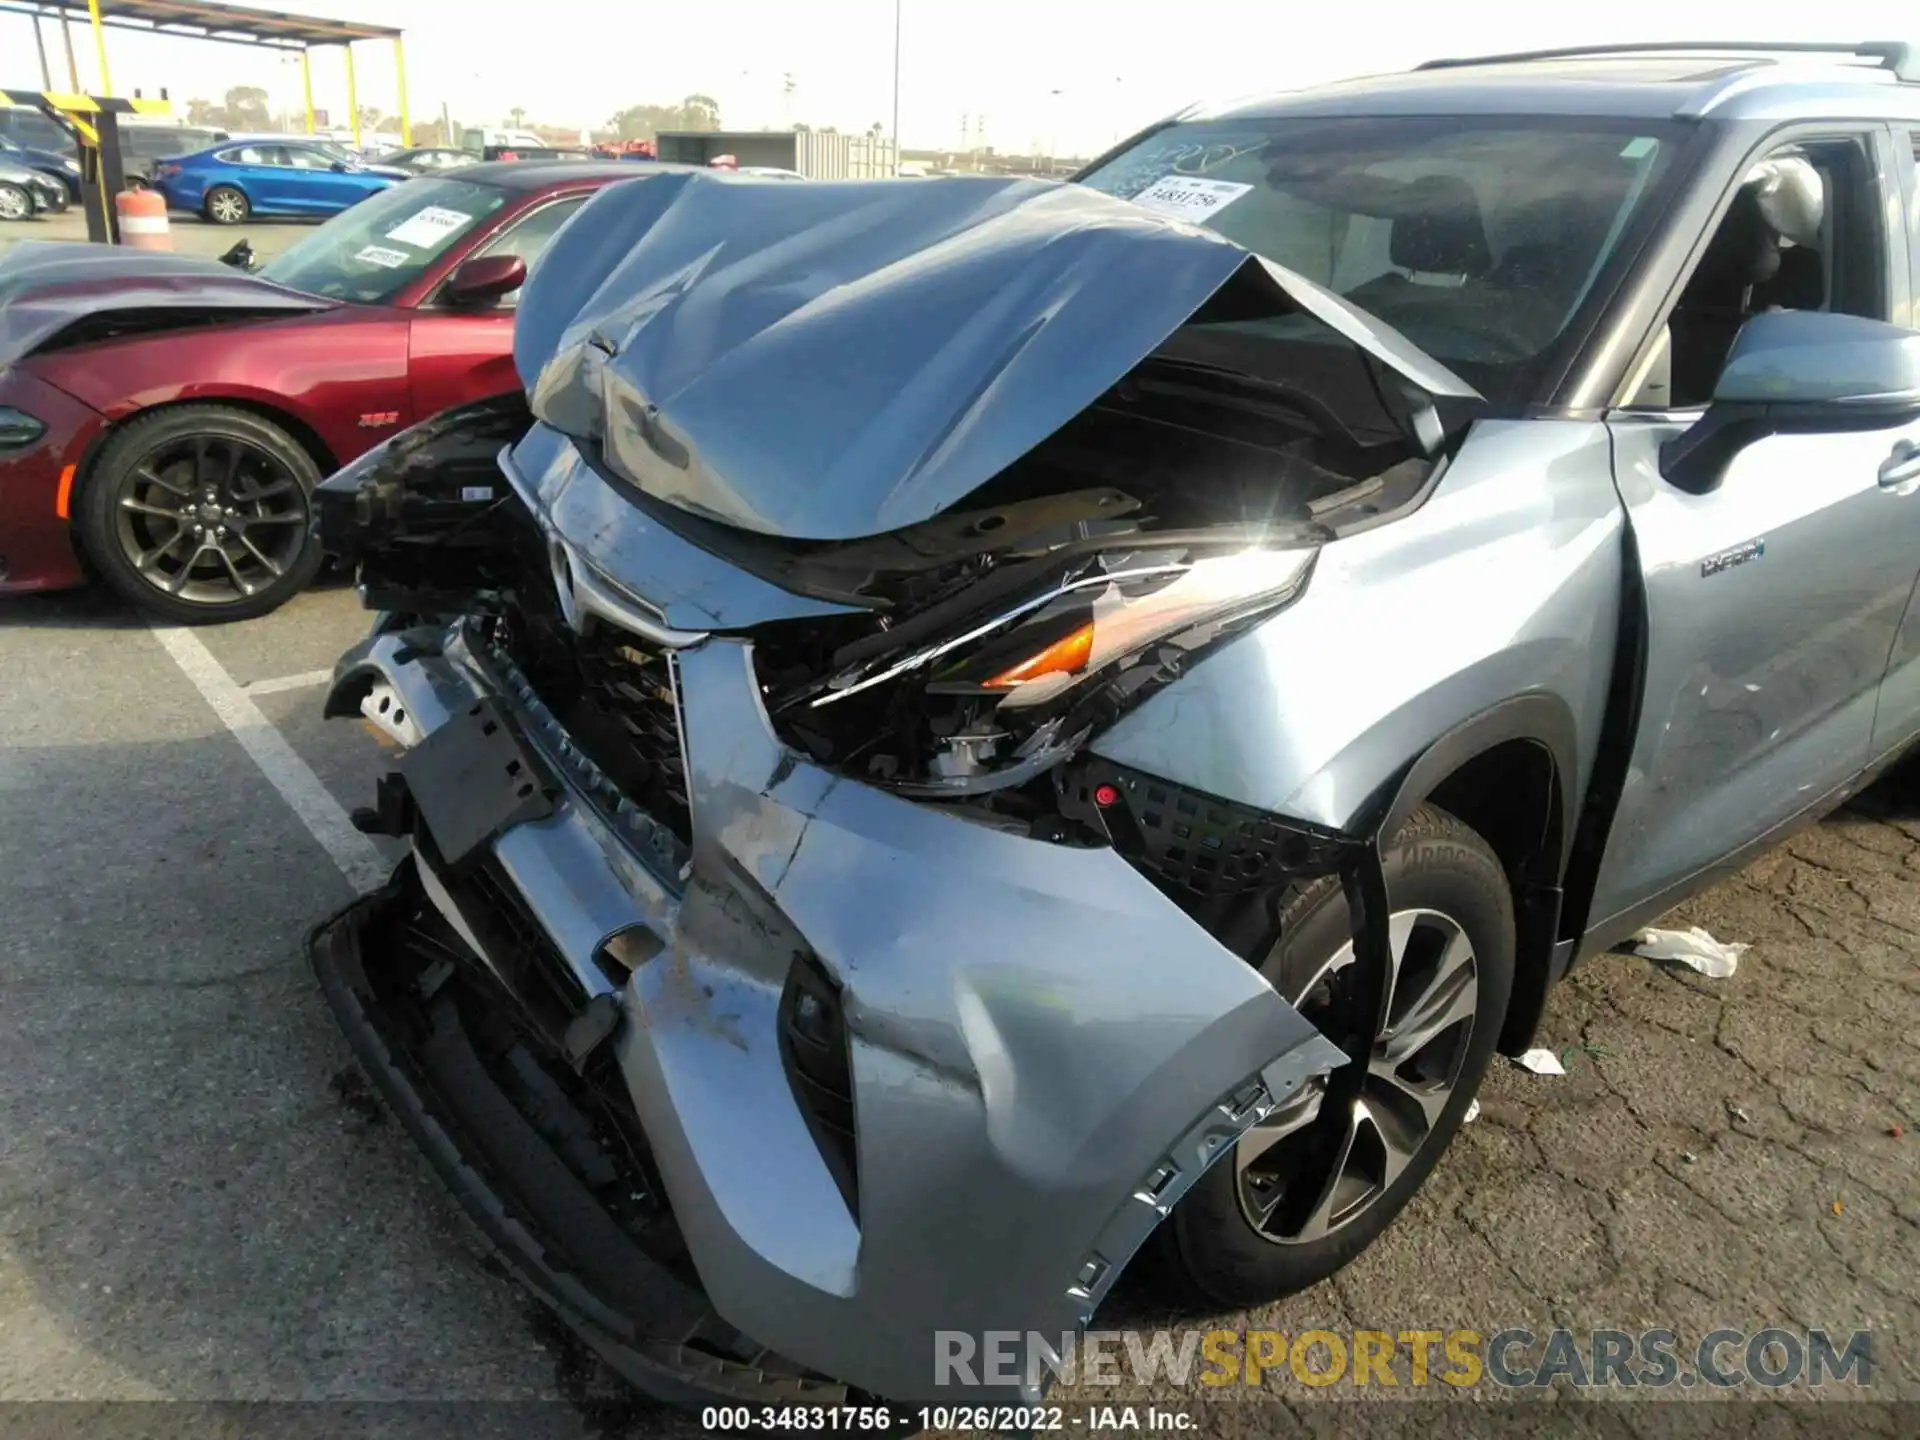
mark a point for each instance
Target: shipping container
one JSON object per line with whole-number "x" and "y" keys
{"x": 815, "y": 154}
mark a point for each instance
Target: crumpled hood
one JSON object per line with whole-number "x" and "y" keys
{"x": 832, "y": 361}
{"x": 45, "y": 286}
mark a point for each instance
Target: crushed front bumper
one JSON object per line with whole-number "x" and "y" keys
{"x": 1043, "y": 1052}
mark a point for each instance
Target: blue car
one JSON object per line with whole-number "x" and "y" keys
{"x": 238, "y": 179}
{"x": 58, "y": 167}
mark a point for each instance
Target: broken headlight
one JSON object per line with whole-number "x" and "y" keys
{"x": 1008, "y": 692}
{"x": 1037, "y": 650}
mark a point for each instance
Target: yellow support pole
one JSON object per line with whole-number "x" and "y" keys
{"x": 100, "y": 46}
{"x": 400, "y": 69}
{"x": 306, "y": 86}
{"x": 353, "y": 95}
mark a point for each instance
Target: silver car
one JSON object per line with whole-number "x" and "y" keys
{"x": 959, "y": 730}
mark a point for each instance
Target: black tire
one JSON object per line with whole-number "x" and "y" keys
{"x": 224, "y": 205}
{"x": 1210, "y": 1245}
{"x": 270, "y": 485}
{"x": 16, "y": 202}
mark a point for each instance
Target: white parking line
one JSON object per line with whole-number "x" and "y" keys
{"x": 323, "y": 816}
{"x": 305, "y": 680}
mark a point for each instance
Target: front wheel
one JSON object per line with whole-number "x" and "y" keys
{"x": 201, "y": 514}
{"x": 227, "y": 206}
{"x": 15, "y": 202}
{"x": 1311, "y": 1187}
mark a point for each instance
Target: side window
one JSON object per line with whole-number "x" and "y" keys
{"x": 1913, "y": 231}
{"x": 31, "y": 129}
{"x": 305, "y": 159}
{"x": 254, "y": 155}
{"x": 1804, "y": 231}
{"x": 530, "y": 235}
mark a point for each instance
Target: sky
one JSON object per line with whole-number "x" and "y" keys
{"x": 1047, "y": 76}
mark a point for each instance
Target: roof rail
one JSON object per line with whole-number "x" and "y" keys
{"x": 1895, "y": 55}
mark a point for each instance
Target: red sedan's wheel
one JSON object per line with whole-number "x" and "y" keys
{"x": 201, "y": 514}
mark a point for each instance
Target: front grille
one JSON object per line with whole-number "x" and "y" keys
{"x": 632, "y": 687}
{"x": 533, "y": 966}
{"x": 606, "y": 711}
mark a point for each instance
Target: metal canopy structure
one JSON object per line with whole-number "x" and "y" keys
{"x": 227, "y": 24}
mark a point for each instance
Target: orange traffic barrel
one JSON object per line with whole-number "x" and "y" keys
{"x": 143, "y": 220}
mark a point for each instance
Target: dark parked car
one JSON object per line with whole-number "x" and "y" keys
{"x": 26, "y": 192}
{"x": 959, "y": 730}
{"x": 426, "y": 159}
{"x": 169, "y": 417}
{"x": 52, "y": 164}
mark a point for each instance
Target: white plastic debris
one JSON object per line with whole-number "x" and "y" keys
{"x": 1473, "y": 1112}
{"x": 1541, "y": 1062}
{"x": 1693, "y": 948}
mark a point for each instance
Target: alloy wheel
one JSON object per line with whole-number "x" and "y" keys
{"x": 1303, "y": 1173}
{"x": 211, "y": 519}
{"x": 228, "y": 207}
{"x": 14, "y": 203}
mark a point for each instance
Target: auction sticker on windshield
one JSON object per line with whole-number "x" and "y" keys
{"x": 430, "y": 227}
{"x": 383, "y": 257}
{"x": 1187, "y": 197}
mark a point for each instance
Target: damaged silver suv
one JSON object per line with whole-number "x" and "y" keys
{"x": 957, "y": 729}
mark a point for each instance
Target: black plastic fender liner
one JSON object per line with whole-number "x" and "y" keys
{"x": 499, "y": 1169}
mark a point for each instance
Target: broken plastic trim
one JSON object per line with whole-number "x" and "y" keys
{"x": 1201, "y": 850}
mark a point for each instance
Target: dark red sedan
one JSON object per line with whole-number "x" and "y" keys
{"x": 163, "y": 420}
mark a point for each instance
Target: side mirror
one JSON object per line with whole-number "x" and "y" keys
{"x": 485, "y": 280}
{"x": 340, "y": 167}
{"x": 1798, "y": 372}
{"x": 240, "y": 256}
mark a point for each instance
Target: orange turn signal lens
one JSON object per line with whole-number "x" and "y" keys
{"x": 1062, "y": 657}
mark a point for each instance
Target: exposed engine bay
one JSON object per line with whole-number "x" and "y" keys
{"x": 974, "y": 653}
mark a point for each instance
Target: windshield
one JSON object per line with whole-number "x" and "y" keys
{"x": 373, "y": 251}
{"x": 1480, "y": 239}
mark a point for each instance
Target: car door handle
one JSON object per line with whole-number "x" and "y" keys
{"x": 1901, "y": 466}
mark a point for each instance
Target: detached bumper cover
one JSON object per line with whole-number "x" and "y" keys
{"x": 1044, "y": 1052}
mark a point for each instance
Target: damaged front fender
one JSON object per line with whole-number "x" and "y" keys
{"x": 1039, "y": 1051}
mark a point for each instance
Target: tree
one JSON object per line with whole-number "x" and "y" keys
{"x": 699, "y": 112}
{"x": 205, "y": 112}
{"x": 369, "y": 118}
{"x": 247, "y": 108}
{"x": 645, "y": 122}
